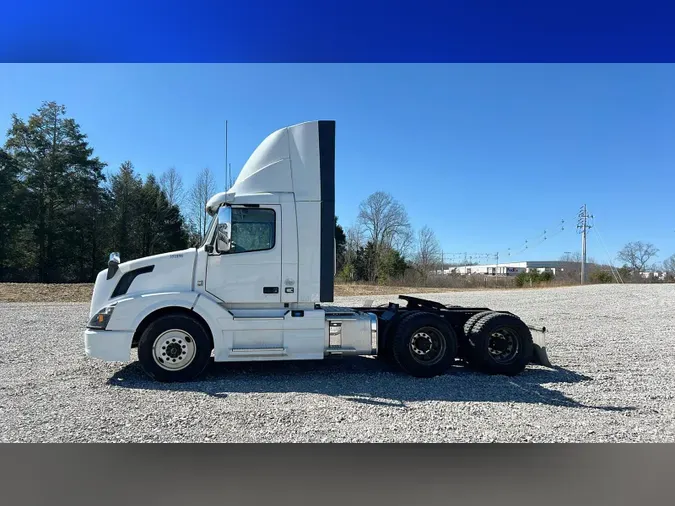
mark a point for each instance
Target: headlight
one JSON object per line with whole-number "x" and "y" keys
{"x": 100, "y": 320}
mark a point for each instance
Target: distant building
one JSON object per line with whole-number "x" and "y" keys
{"x": 514, "y": 268}
{"x": 654, "y": 275}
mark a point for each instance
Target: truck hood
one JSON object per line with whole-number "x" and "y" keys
{"x": 166, "y": 272}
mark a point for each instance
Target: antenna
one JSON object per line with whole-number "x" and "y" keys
{"x": 227, "y": 166}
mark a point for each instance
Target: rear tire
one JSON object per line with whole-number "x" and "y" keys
{"x": 468, "y": 326}
{"x": 463, "y": 346}
{"x": 386, "y": 354}
{"x": 423, "y": 345}
{"x": 499, "y": 343}
{"x": 174, "y": 348}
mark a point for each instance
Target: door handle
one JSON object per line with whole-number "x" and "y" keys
{"x": 271, "y": 289}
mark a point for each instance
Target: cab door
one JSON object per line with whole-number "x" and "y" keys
{"x": 250, "y": 272}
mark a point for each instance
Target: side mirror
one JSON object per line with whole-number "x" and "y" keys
{"x": 113, "y": 264}
{"x": 224, "y": 230}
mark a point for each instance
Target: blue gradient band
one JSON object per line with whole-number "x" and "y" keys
{"x": 345, "y": 31}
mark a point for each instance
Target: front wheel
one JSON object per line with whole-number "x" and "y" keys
{"x": 424, "y": 345}
{"x": 174, "y": 348}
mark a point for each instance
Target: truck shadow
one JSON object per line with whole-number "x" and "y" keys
{"x": 368, "y": 381}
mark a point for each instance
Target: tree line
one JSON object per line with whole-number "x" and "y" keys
{"x": 636, "y": 263}
{"x": 381, "y": 246}
{"x": 61, "y": 214}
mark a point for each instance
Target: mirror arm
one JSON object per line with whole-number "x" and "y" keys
{"x": 113, "y": 264}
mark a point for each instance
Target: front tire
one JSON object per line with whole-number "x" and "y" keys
{"x": 174, "y": 348}
{"x": 424, "y": 345}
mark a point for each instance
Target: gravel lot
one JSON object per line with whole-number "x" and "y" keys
{"x": 613, "y": 346}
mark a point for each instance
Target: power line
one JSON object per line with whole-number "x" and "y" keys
{"x": 615, "y": 272}
{"x": 508, "y": 253}
{"x": 532, "y": 243}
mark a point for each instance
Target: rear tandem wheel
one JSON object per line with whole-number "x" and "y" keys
{"x": 423, "y": 345}
{"x": 463, "y": 349}
{"x": 499, "y": 343}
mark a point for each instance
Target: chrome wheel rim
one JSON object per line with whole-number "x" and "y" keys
{"x": 174, "y": 350}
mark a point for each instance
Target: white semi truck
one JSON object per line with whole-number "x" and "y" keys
{"x": 259, "y": 287}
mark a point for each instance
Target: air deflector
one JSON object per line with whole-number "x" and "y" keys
{"x": 327, "y": 170}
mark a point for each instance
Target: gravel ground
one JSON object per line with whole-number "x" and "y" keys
{"x": 613, "y": 347}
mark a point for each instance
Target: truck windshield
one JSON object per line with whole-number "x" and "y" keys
{"x": 214, "y": 219}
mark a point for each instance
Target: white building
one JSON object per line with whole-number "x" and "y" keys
{"x": 654, "y": 275}
{"x": 514, "y": 268}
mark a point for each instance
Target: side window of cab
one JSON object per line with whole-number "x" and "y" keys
{"x": 253, "y": 229}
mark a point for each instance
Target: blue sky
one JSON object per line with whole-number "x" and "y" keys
{"x": 489, "y": 156}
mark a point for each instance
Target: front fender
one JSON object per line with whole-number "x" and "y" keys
{"x": 131, "y": 311}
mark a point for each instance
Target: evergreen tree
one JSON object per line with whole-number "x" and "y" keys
{"x": 340, "y": 245}
{"x": 125, "y": 187}
{"x": 12, "y": 195}
{"x": 61, "y": 177}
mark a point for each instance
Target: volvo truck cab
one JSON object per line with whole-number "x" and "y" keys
{"x": 261, "y": 287}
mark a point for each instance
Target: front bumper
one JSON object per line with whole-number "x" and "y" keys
{"x": 108, "y": 345}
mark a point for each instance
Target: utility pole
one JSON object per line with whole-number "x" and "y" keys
{"x": 583, "y": 226}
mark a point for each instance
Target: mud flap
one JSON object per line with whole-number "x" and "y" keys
{"x": 539, "y": 355}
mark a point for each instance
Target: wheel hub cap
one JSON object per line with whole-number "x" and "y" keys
{"x": 427, "y": 346}
{"x": 174, "y": 350}
{"x": 503, "y": 346}
{"x": 422, "y": 343}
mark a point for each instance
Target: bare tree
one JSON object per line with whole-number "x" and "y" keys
{"x": 576, "y": 258}
{"x": 383, "y": 218}
{"x": 354, "y": 242}
{"x": 202, "y": 190}
{"x": 172, "y": 186}
{"x": 669, "y": 264}
{"x": 386, "y": 224}
{"x": 404, "y": 242}
{"x": 571, "y": 257}
{"x": 428, "y": 251}
{"x": 636, "y": 255}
